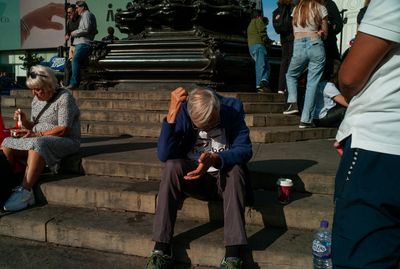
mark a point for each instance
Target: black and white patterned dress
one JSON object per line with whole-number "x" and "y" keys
{"x": 63, "y": 111}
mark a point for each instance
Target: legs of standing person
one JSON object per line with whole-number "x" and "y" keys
{"x": 287, "y": 51}
{"x": 259, "y": 54}
{"x": 68, "y": 66}
{"x": 331, "y": 54}
{"x": 316, "y": 55}
{"x": 296, "y": 67}
{"x": 366, "y": 225}
{"x": 81, "y": 53}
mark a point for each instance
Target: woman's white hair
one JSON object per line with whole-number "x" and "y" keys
{"x": 202, "y": 103}
{"x": 44, "y": 78}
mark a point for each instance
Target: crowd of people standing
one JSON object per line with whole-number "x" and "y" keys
{"x": 307, "y": 30}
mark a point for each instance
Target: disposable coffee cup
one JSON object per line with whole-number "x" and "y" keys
{"x": 285, "y": 186}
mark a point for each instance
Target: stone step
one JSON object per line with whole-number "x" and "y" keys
{"x": 118, "y": 193}
{"x": 270, "y": 134}
{"x": 16, "y": 102}
{"x": 140, "y": 116}
{"x": 280, "y": 134}
{"x": 129, "y": 233}
{"x": 311, "y": 164}
{"x": 160, "y": 105}
{"x": 155, "y": 95}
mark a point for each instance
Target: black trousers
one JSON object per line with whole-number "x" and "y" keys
{"x": 287, "y": 52}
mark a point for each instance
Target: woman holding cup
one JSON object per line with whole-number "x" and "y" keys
{"x": 52, "y": 133}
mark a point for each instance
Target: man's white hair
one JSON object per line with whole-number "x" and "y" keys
{"x": 202, "y": 103}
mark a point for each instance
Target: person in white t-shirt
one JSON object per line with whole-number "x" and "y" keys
{"x": 330, "y": 104}
{"x": 366, "y": 225}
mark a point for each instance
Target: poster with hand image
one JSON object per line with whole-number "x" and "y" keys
{"x": 42, "y": 23}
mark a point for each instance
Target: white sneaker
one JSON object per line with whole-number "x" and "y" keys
{"x": 20, "y": 199}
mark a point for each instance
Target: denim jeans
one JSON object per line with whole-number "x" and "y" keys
{"x": 259, "y": 54}
{"x": 307, "y": 52}
{"x": 82, "y": 52}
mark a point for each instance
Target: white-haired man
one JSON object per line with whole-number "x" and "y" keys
{"x": 205, "y": 145}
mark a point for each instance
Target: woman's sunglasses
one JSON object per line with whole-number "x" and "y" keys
{"x": 35, "y": 75}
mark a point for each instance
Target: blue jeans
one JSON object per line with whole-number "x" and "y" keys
{"x": 81, "y": 53}
{"x": 259, "y": 54}
{"x": 307, "y": 52}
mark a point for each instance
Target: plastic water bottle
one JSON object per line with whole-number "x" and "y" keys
{"x": 321, "y": 247}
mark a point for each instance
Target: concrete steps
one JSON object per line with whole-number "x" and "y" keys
{"x": 117, "y": 193}
{"x": 311, "y": 164}
{"x": 140, "y": 113}
{"x": 156, "y": 117}
{"x": 129, "y": 233}
{"x": 110, "y": 209}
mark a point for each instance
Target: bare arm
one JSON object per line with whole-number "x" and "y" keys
{"x": 363, "y": 58}
{"x": 341, "y": 100}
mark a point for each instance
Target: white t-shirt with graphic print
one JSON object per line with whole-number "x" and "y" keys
{"x": 213, "y": 140}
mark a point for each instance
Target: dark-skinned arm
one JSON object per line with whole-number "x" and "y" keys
{"x": 363, "y": 58}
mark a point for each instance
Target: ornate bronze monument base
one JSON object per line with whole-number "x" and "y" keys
{"x": 178, "y": 43}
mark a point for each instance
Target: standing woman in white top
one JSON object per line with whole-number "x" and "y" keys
{"x": 310, "y": 27}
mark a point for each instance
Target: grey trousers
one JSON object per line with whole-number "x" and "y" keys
{"x": 228, "y": 185}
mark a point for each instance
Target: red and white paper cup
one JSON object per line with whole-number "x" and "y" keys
{"x": 285, "y": 186}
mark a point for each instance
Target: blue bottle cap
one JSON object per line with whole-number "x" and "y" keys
{"x": 324, "y": 224}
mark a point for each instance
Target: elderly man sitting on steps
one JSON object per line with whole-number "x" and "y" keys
{"x": 205, "y": 145}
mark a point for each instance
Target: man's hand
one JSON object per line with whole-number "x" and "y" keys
{"x": 178, "y": 97}
{"x": 206, "y": 160}
{"x": 339, "y": 148}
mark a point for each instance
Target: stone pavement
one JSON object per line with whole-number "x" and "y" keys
{"x": 26, "y": 254}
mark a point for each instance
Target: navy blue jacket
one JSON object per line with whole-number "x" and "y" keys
{"x": 177, "y": 139}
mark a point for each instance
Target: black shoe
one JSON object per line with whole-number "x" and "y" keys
{"x": 291, "y": 108}
{"x": 304, "y": 125}
{"x": 264, "y": 87}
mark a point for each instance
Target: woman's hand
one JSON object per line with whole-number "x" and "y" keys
{"x": 30, "y": 133}
{"x": 19, "y": 113}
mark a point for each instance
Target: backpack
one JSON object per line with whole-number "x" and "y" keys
{"x": 282, "y": 19}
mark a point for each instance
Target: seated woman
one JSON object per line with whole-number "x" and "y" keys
{"x": 330, "y": 105}
{"x": 52, "y": 133}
